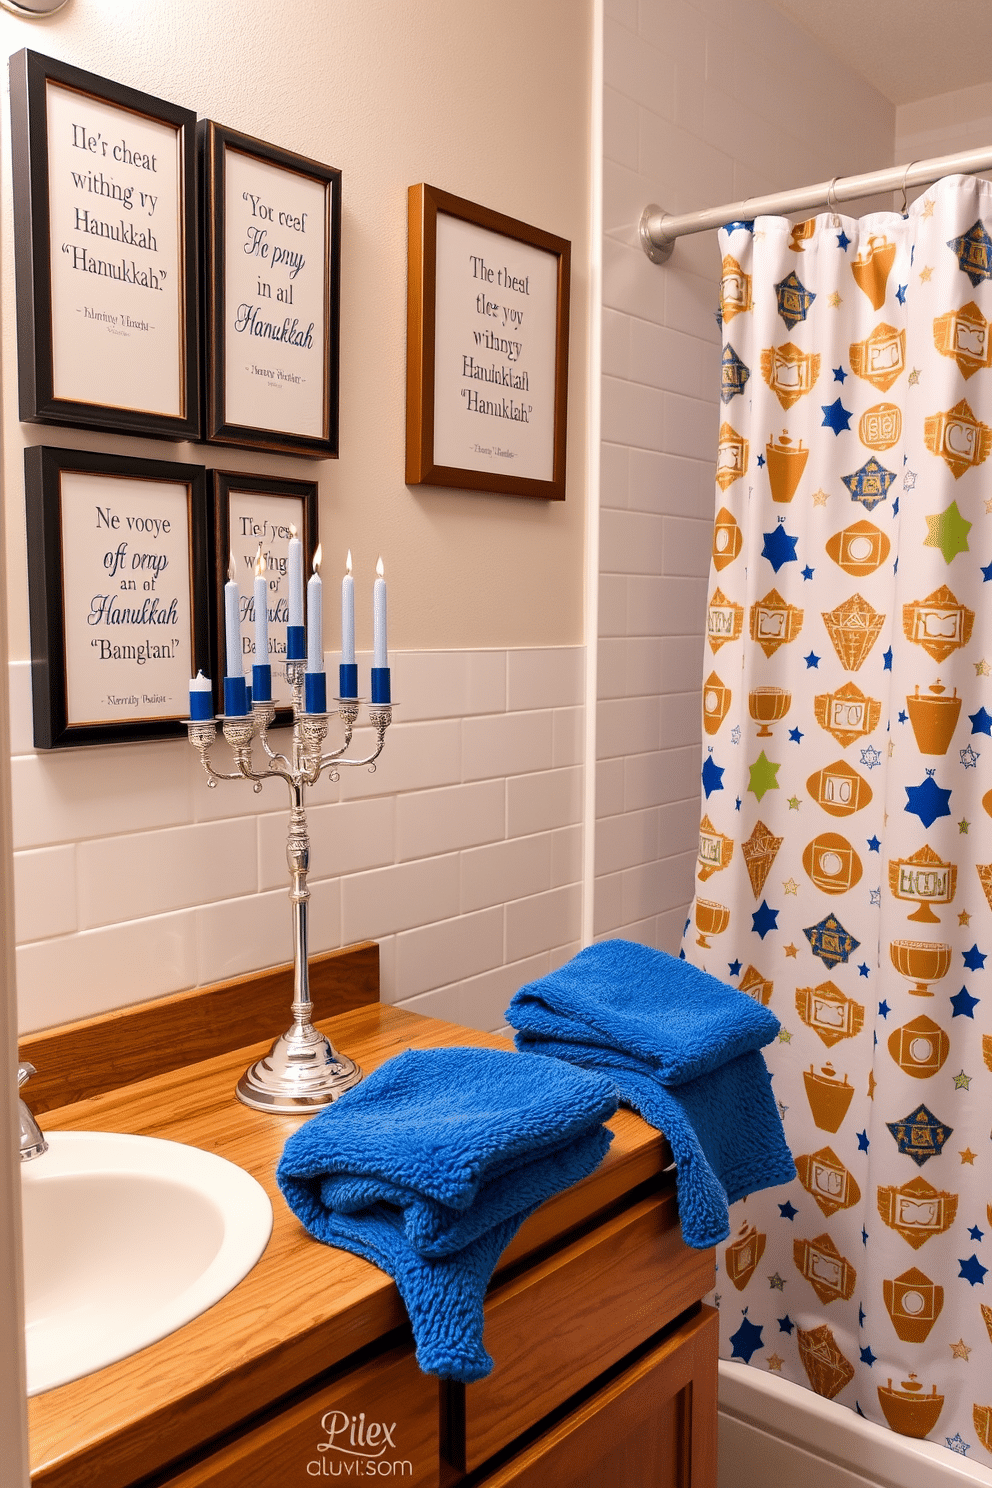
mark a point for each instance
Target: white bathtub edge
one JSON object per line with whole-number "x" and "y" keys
{"x": 833, "y": 1432}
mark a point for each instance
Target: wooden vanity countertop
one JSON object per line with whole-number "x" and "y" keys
{"x": 304, "y": 1307}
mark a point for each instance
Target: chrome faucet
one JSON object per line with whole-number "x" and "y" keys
{"x": 33, "y": 1142}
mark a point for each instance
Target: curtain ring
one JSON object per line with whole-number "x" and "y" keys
{"x": 905, "y": 177}
{"x": 831, "y": 197}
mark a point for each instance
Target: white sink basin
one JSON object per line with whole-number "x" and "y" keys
{"x": 126, "y": 1239}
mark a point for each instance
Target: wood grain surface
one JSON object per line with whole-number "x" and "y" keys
{"x": 303, "y": 1309}
{"x": 555, "y": 1328}
{"x": 78, "y": 1060}
{"x": 652, "y": 1426}
{"x": 292, "y": 1448}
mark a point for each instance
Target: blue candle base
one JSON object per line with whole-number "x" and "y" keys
{"x": 235, "y": 697}
{"x": 348, "y": 683}
{"x": 380, "y": 685}
{"x": 296, "y": 643}
{"x": 201, "y": 704}
{"x": 315, "y": 692}
{"x": 261, "y": 683}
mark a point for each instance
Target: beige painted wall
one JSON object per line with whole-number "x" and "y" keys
{"x": 489, "y": 102}
{"x": 462, "y": 854}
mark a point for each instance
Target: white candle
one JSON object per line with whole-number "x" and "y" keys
{"x": 348, "y": 617}
{"x": 295, "y": 579}
{"x": 315, "y": 618}
{"x": 232, "y": 618}
{"x": 379, "y": 618}
{"x": 261, "y": 611}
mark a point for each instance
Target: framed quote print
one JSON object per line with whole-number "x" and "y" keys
{"x": 105, "y": 253}
{"x": 487, "y": 349}
{"x": 272, "y": 224}
{"x": 254, "y": 518}
{"x": 117, "y": 587}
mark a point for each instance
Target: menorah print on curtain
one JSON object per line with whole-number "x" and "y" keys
{"x": 845, "y": 846}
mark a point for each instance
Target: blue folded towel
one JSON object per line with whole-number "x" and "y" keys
{"x": 683, "y": 1051}
{"x": 429, "y": 1168}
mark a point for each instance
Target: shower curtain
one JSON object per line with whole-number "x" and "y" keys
{"x": 844, "y": 875}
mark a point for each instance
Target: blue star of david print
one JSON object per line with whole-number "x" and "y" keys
{"x": 733, "y": 374}
{"x": 794, "y": 299}
{"x": 973, "y": 251}
{"x": 712, "y": 776}
{"x": 870, "y": 484}
{"x": 746, "y": 1341}
{"x": 835, "y": 416}
{"x": 964, "y": 1004}
{"x": 920, "y": 1135}
{"x": 830, "y": 941}
{"x": 779, "y": 547}
{"x": 927, "y": 801}
{"x": 764, "y": 919}
{"x": 973, "y": 1271}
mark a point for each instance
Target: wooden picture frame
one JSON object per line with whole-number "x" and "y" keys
{"x": 247, "y": 497}
{"x": 105, "y": 253}
{"x": 272, "y": 284}
{"x": 117, "y": 589}
{"x": 491, "y": 294}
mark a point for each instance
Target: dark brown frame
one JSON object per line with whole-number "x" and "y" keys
{"x": 214, "y": 140}
{"x": 222, "y": 483}
{"x": 29, "y": 76}
{"x": 424, "y": 203}
{"x": 43, "y": 467}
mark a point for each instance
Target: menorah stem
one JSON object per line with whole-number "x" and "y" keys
{"x": 298, "y": 857}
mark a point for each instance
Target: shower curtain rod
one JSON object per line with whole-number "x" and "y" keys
{"x": 658, "y": 229}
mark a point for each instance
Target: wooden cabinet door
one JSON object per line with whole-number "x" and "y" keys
{"x": 557, "y": 1327}
{"x": 653, "y": 1426}
{"x": 380, "y": 1420}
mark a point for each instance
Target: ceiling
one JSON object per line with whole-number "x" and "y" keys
{"x": 908, "y": 49}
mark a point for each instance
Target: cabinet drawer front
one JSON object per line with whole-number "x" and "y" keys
{"x": 653, "y": 1426}
{"x": 555, "y": 1328}
{"x": 380, "y": 1420}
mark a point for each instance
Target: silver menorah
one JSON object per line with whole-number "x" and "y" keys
{"x": 302, "y": 1070}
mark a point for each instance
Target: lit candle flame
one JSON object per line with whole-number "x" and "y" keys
{"x": 259, "y": 564}
{"x": 292, "y": 529}
{"x": 379, "y": 568}
{"x": 317, "y": 557}
{"x": 232, "y": 570}
{"x": 348, "y": 562}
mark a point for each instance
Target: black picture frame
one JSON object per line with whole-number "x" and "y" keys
{"x": 224, "y": 422}
{"x": 100, "y": 247}
{"x": 44, "y": 469}
{"x": 222, "y": 485}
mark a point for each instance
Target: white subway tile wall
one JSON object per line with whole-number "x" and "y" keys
{"x": 461, "y": 854}
{"x": 704, "y": 101}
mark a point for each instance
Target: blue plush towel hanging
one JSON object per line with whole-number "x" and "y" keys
{"x": 429, "y": 1168}
{"x": 683, "y": 1051}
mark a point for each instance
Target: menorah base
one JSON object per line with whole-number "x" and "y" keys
{"x": 301, "y": 1072}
